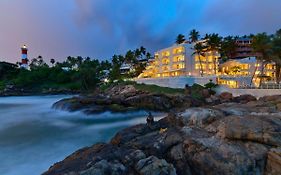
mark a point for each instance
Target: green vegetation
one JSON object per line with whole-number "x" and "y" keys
{"x": 158, "y": 89}
{"x": 145, "y": 87}
{"x": 86, "y": 74}
{"x": 75, "y": 73}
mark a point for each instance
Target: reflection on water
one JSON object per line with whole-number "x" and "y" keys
{"x": 33, "y": 136}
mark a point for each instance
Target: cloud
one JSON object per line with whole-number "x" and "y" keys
{"x": 101, "y": 28}
{"x": 242, "y": 16}
{"x": 129, "y": 24}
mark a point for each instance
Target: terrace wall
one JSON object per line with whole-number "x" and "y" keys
{"x": 176, "y": 82}
{"x": 255, "y": 92}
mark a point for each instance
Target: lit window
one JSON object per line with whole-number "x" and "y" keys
{"x": 178, "y": 50}
{"x": 178, "y": 58}
{"x": 166, "y": 53}
{"x": 165, "y": 61}
{"x": 196, "y": 58}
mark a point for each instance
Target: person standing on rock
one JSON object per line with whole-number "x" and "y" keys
{"x": 150, "y": 119}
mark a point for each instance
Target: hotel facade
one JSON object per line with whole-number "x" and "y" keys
{"x": 180, "y": 60}
{"x": 245, "y": 72}
{"x": 180, "y": 64}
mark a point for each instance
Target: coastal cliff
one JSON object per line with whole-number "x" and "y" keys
{"x": 238, "y": 135}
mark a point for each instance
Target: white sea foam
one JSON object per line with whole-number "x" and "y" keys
{"x": 33, "y": 136}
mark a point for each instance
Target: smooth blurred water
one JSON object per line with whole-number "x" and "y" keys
{"x": 33, "y": 136}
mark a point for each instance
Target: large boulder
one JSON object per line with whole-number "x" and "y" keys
{"x": 273, "y": 165}
{"x": 154, "y": 166}
{"x": 104, "y": 167}
{"x": 226, "y": 96}
{"x": 261, "y": 129}
{"x": 244, "y": 98}
{"x": 121, "y": 90}
{"x": 215, "y": 156}
{"x": 200, "y": 116}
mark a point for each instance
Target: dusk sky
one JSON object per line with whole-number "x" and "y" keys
{"x": 101, "y": 28}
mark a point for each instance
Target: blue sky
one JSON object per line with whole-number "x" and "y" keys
{"x": 101, "y": 28}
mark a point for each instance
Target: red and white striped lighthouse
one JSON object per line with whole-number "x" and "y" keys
{"x": 24, "y": 59}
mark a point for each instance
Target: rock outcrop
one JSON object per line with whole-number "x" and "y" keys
{"x": 230, "y": 138}
{"x": 126, "y": 98}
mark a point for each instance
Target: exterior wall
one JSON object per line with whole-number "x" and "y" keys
{"x": 176, "y": 82}
{"x": 244, "y": 49}
{"x": 255, "y": 92}
{"x": 240, "y": 72}
{"x": 180, "y": 60}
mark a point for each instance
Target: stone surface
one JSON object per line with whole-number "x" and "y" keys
{"x": 262, "y": 129}
{"x": 235, "y": 138}
{"x": 154, "y": 166}
{"x": 226, "y": 97}
{"x": 273, "y": 166}
{"x": 200, "y": 116}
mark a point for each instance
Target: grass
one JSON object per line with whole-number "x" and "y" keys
{"x": 158, "y": 89}
{"x": 145, "y": 87}
{"x": 2, "y": 85}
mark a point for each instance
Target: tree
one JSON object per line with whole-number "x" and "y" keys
{"x": 199, "y": 51}
{"x": 52, "y": 61}
{"x": 8, "y": 71}
{"x": 148, "y": 55}
{"x": 214, "y": 45}
{"x": 194, "y": 35}
{"x": 37, "y": 63}
{"x": 143, "y": 50}
{"x": 115, "y": 73}
{"x": 276, "y": 51}
{"x": 180, "y": 39}
{"x": 228, "y": 47}
{"x": 89, "y": 74}
{"x": 207, "y": 36}
{"x": 262, "y": 45}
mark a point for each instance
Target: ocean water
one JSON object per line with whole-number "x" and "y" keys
{"x": 33, "y": 136}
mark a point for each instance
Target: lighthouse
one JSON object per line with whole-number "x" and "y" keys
{"x": 24, "y": 59}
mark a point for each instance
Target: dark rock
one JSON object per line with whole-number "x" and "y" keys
{"x": 244, "y": 98}
{"x": 154, "y": 166}
{"x": 104, "y": 167}
{"x": 262, "y": 129}
{"x": 226, "y": 97}
{"x": 273, "y": 165}
{"x": 200, "y": 116}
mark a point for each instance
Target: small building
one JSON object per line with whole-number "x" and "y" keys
{"x": 243, "y": 48}
{"x": 126, "y": 68}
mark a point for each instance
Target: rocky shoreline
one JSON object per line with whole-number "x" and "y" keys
{"x": 13, "y": 91}
{"x": 122, "y": 98}
{"x": 222, "y": 135}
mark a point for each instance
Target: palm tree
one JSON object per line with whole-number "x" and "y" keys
{"x": 276, "y": 49}
{"x": 143, "y": 50}
{"x": 214, "y": 45}
{"x": 262, "y": 45}
{"x": 199, "y": 50}
{"x": 207, "y": 36}
{"x": 52, "y": 61}
{"x": 194, "y": 35}
{"x": 180, "y": 39}
{"x": 228, "y": 47}
{"x": 148, "y": 55}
